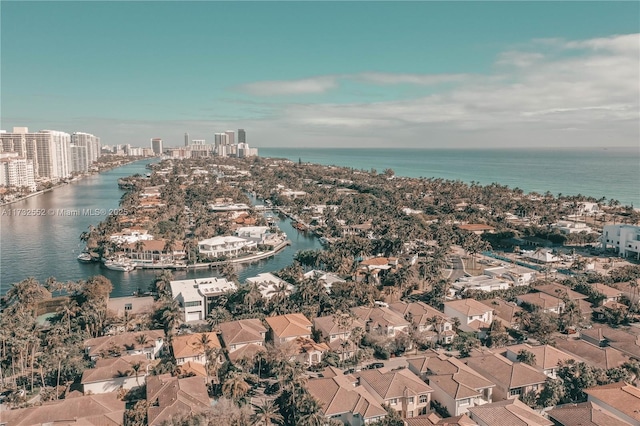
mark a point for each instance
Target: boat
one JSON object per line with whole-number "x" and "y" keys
{"x": 119, "y": 265}
{"x": 85, "y": 257}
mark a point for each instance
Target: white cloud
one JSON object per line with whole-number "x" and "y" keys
{"x": 591, "y": 86}
{"x": 292, "y": 87}
{"x": 417, "y": 79}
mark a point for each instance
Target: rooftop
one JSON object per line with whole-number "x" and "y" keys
{"x": 621, "y": 396}
{"x": 511, "y": 412}
{"x": 289, "y": 325}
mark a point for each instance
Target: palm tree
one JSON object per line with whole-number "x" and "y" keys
{"x": 69, "y": 309}
{"x": 136, "y": 369}
{"x": 142, "y": 339}
{"x": 267, "y": 413}
{"x": 172, "y": 317}
{"x": 311, "y": 412}
{"x": 235, "y": 387}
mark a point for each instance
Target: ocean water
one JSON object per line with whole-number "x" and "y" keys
{"x": 613, "y": 173}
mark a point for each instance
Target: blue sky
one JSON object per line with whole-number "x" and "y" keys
{"x": 356, "y": 74}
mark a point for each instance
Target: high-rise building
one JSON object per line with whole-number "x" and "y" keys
{"x": 231, "y": 137}
{"x": 16, "y": 171}
{"x": 79, "y": 159}
{"x": 90, "y": 142}
{"x": 53, "y": 149}
{"x": 242, "y": 136}
{"x": 186, "y": 139}
{"x": 156, "y": 146}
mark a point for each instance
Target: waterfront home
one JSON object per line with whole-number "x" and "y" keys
{"x": 147, "y": 343}
{"x": 381, "y": 320}
{"x": 228, "y": 207}
{"x": 361, "y": 229}
{"x": 268, "y": 284}
{"x": 505, "y": 312}
{"x": 193, "y": 347}
{"x": 512, "y": 379}
{"x": 169, "y": 397}
{"x": 195, "y": 295}
{"x": 286, "y": 328}
{"x": 401, "y": 389}
{"x": 474, "y": 316}
{"x": 111, "y": 374}
{"x": 427, "y": 320}
{"x": 456, "y": 386}
{"x": 510, "y": 412}
{"x": 255, "y": 233}
{"x": 149, "y": 252}
{"x": 131, "y": 235}
{"x": 545, "y": 302}
{"x": 575, "y": 415}
{"x": 343, "y": 401}
{"x": 130, "y": 305}
{"x": 102, "y": 409}
{"x": 621, "y": 399}
{"x": 225, "y": 247}
{"x": 237, "y": 334}
{"x": 547, "y": 358}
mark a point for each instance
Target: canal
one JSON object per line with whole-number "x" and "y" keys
{"x": 47, "y": 245}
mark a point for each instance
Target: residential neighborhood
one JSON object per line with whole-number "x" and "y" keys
{"x": 395, "y": 320}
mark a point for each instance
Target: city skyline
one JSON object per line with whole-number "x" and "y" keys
{"x": 412, "y": 74}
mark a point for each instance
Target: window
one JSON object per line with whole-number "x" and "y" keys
{"x": 423, "y": 399}
{"x": 194, "y": 303}
{"x": 409, "y": 413}
{"x": 393, "y": 401}
{"x": 128, "y": 307}
{"x": 464, "y": 402}
{"x": 410, "y": 400}
{"x": 515, "y": 392}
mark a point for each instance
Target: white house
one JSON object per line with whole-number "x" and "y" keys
{"x": 147, "y": 343}
{"x": 624, "y": 239}
{"x": 480, "y": 283}
{"x": 268, "y": 284}
{"x": 473, "y": 315}
{"x": 517, "y": 274}
{"x": 194, "y": 295}
{"x": 569, "y": 227}
{"x": 111, "y": 374}
{"x": 258, "y": 233}
{"x": 226, "y": 246}
{"x": 540, "y": 256}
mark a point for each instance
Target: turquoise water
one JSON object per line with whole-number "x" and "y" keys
{"x": 613, "y": 173}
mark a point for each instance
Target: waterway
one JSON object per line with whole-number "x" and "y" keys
{"x": 47, "y": 245}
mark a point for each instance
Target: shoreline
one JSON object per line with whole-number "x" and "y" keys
{"x": 75, "y": 179}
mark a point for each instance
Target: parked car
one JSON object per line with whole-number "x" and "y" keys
{"x": 375, "y": 365}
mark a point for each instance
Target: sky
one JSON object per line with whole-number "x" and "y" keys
{"x": 326, "y": 74}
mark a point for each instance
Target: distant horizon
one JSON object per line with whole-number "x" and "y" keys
{"x": 433, "y": 75}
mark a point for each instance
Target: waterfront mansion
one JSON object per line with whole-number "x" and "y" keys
{"x": 225, "y": 246}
